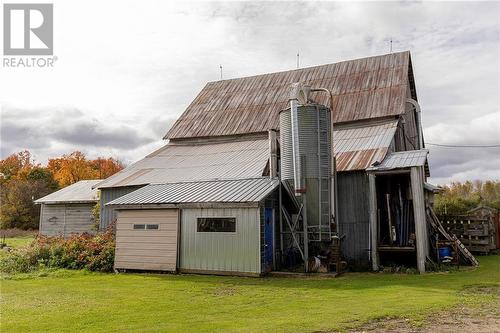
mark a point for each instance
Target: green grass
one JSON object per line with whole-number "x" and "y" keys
{"x": 69, "y": 301}
{"x": 17, "y": 242}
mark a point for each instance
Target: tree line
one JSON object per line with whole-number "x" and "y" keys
{"x": 458, "y": 198}
{"x": 22, "y": 181}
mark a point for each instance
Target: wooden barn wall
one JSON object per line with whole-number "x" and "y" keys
{"x": 354, "y": 217}
{"x": 399, "y": 142}
{"x": 108, "y": 214}
{"x": 66, "y": 219}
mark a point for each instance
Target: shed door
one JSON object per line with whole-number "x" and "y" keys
{"x": 147, "y": 239}
{"x": 268, "y": 238}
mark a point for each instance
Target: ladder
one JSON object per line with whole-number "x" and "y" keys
{"x": 436, "y": 224}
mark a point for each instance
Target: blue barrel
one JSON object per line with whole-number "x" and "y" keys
{"x": 444, "y": 252}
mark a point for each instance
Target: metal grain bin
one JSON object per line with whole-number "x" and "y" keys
{"x": 314, "y": 145}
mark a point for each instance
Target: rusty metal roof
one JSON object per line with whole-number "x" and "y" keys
{"x": 362, "y": 89}
{"x": 78, "y": 192}
{"x": 194, "y": 161}
{"x": 357, "y": 146}
{"x": 227, "y": 191}
{"x": 402, "y": 159}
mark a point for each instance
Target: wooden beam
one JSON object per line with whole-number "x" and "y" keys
{"x": 373, "y": 220}
{"x": 417, "y": 189}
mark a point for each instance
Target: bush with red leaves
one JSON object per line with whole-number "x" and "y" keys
{"x": 82, "y": 251}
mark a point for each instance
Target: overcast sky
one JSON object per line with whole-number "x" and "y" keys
{"x": 127, "y": 69}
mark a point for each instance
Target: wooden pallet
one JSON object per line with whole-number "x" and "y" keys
{"x": 438, "y": 226}
{"x": 473, "y": 231}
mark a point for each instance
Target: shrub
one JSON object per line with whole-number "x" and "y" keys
{"x": 83, "y": 251}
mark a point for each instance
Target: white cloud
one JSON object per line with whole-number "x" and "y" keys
{"x": 138, "y": 64}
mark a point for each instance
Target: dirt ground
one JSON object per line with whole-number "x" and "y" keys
{"x": 461, "y": 319}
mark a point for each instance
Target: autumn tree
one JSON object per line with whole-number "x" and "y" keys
{"x": 458, "y": 198}
{"x": 74, "y": 167}
{"x": 13, "y": 165}
{"x": 71, "y": 168}
{"x": 23, "y": 181}
{"x": 105, "y": 167}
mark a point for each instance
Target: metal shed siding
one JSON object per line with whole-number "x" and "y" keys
{"x": 224, "y": 252}
{"x": 354, "y": 216}
{"x": 108, "y": 214}
{"x": 66, "y": 219}
{"x": 147, "y": 249}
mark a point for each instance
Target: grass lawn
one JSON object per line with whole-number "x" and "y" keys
{"x": 17, "y": 242}
{"x": 69, "y": 301}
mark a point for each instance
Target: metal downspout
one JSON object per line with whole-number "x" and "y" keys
{"x": 418, "y": 120}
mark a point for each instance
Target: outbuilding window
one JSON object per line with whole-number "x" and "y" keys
{"x": 216, "y": 224}
{"x": 145, "y": 226}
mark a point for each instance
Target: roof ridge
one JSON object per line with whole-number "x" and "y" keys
{"x": 308, "y": 68}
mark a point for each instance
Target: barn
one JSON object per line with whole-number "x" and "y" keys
{"x": 69, "y": 210}
{"x": 227, "y": 147}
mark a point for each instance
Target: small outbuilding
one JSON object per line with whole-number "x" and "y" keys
{"x": 218, "y": 227}
{"x": 69, "y": 210}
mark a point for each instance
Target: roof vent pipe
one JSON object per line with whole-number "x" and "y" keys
{"x": 418, "y": 121}
{"x": 273, "y": 154}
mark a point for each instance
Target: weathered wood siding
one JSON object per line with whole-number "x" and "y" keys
{"x": 66, "y": 219}
{"x": 353, "y": 210}
{"x": 237, "y": 252}
{"x": 108, "y": 214}
{"x": 147, "y": 249}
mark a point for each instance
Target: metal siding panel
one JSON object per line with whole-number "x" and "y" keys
{"x": 354, "y": 216}
{"x": 207, "y": 160}
{"x": 108, "y": 214}
{"x": 357, "y": 147}
{"x": 240, "y": 106}
{"x": 403, "y": 159}
{"x": 223, "y": 191}
{"x": 66, "y": 219}
{"x": 78, "y": 192}
{"x": 238, "y": 252}
{"x": 56, "y": 225}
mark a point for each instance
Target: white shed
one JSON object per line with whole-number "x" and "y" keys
{"x": 69, "y": 210}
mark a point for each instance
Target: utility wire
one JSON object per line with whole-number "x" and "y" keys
{"x": 462, "y": 146}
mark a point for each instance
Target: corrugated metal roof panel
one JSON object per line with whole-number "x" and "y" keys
{"x": 358, "y": 146}
{"x": 218, "y": 191}
{"x": 402, "y": 159}
{"x": 180, "y": 162}
{"x": 78, "y": 192}
{"x": 362, "y": 88}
